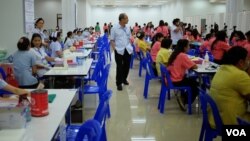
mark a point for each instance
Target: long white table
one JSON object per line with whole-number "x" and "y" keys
{"x": 79, "y": 70}
{"x": 43, "y": 128}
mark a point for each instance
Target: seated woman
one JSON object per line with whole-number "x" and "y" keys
{"x": 41, "y": 57}
{"x": 55, "y": 46}
{"x": 205, "y": 46}
{"x": 247, "y": 45}
{"x": 164, "y": 54}
{"x": 240, "y": 39}
{"x": 144, "y": 47}
{"x": 219, "y": 46}
{"x": 230, "y": 87}
{"x": 178, "y": 64}
{"x": 24, "y": 62}
{"x": 68, "y": 42}
{"x": 5, "y": 86}
{"x": 156, "y": 45}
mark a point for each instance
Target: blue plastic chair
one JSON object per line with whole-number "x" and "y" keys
{"x": 92, "y": 129}
{"x": 102, "y": 112}
{"x": 134, "y": 55}
{"x": 142, "y": 62}
{"x": 149, "y": 74}
{"x": 100, "y": 88}
{"x": 207, "y": 133}
{"x": 4, "y": 76}
{"x": 242, "y": 121}
{"x": 191, "y": 52}
{"x": 167, "y": 85}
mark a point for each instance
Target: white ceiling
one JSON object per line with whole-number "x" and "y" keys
{"x": 137, "y": 2}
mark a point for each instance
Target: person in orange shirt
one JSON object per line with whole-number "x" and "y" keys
{"x": 136, "y": 28}
{"x": 178, "y": 64}
{"x": 162, "y": 29}
{"x": 156, "y": 45}
{"x": 240, "y": 39}
{"x": 205, "y": 45}
{"x": 196, "y": 36}
{"x": 219, "y": 47}
{"x": 247, "y": 45}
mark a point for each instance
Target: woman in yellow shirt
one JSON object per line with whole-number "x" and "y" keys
{"x": 230, "y": 87}
{"x": 163, "y": 54}
{"x": 142, "y": 44}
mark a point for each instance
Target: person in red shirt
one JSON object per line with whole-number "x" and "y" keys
{"x": 178, "y": 64}
{"x": 219, "y": 46}
{"x": 247, "y": 45}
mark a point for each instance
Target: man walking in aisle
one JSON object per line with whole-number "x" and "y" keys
{"x": 120, "y": 42}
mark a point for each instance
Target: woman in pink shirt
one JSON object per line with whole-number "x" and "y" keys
{"x": 156, "y": 45}
{"x": 247, "y": 45}
{"x": 135, "y": 28}
{"x": 219, "y": 46}
{"x": 240, "y": 39}
{"x": 178, "y": 64}
{"x": 148, "y": 31}
{"x": 162, "y": 29}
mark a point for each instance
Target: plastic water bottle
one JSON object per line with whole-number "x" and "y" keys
{"x": 206, "y": 60}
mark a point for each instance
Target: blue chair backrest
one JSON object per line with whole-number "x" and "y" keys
{"x": 205, "y": 101}
{"x": 102, "y": 82}
{"x": 141, "y": 55}
{"x": 101, "y": 112}
{"x": 191, "y": 52}
{"x": 166, "y": 76}
{"x": 2, "y": 72}
{"x": 148, "y": 65}
{"x": 242, "y": 121}
{"x": 92, "y": 129}
{"x": 98, "y": 68}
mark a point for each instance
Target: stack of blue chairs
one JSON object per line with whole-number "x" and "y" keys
{"x": 74, "y": 132}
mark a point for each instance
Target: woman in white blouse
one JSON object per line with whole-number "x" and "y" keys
{"x": 68, "y": 42}
{"x": 42, "y": 58}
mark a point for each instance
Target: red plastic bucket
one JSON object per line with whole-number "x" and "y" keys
{"x": 39, "y": 103}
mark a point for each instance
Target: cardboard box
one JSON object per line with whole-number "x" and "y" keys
{"x": 11, "y": 116}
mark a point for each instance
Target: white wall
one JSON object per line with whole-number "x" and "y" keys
{"x": 171, "y": 11}
{"x": 247, "y": 5}
{"x": 48, "y": 9}
{"x": 135, "y": 14}
{"x": 83, "y": 13}
{"x": 12, "y": 24}
{"x": 192, "y": 11}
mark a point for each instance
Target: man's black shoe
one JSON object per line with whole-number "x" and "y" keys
{"x": 119, "y": 88}
{"x": 126, "y": 82}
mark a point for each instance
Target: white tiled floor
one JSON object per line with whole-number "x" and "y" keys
{"x": 134, "y": 118}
